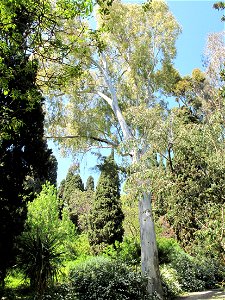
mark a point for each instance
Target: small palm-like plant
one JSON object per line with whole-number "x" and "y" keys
{"x": 39, "y": 259}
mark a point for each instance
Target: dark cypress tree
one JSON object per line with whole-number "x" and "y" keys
{"x": 90, "y": 184}
{"x": 106, "y": 217}
{"x": 25, "y": 159}
{"x": 73, "y": 181}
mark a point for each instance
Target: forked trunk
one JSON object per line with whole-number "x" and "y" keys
{"x": 149, "y": 252}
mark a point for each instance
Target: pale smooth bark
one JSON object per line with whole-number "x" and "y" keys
{"x": 149, "y": 252}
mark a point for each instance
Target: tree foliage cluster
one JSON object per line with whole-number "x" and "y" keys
{"x": 98, "y": 212}
{"x": 79, "y": 200}
{"x": 106, "y": 217}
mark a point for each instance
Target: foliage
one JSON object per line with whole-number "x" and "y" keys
{"x": 209, "y": 238}
{"x": 80, "y": 204}
{"x": 124, "y": 74}
{"x": 128, "y": 251}
{"x": 187, "y": 274}
{"x": 214, "y": 61}
{"x": 101, "y": 278}
{"x": 195, "y": 274}
{"x": 106, "y": 215}
{"x": 168, "y": 248}
{"x": 125, "y": 68}
{"x": 81, "y": 247}
{"x": 90, "y": 185}
{"x": 220, "y": 6}
{"x": 130, "y": 209}
{"x": 69, "y": 192}
{"x": 170, "y": 282}
{"x": 15, "y": 279}
{"x": 198, "y": 183}
{"x": 26, "y": 162}
{"x": 60, "y": 292}
{"x": 46, "y": 239}
{"x": 27, "y": 30}
{"x": 190, "y": 180}
{"x": 43, "y": 217}
{"x": 73, "y": 182}
{"x": 39, "y": 259}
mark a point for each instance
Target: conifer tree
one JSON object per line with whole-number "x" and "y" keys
{"x": 106, "y": 217}
{"x": 25, "y": 160}
{"x": 68, "y": 195}
{"x": 73, "y": 182}
{"x": 90, "y": 185}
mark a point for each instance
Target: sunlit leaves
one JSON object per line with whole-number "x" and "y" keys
{"x": 134, "y": 50}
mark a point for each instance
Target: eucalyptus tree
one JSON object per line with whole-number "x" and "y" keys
{"x": 126, "y": 65}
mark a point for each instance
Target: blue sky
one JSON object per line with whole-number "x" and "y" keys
{"x": 197, "y": 19}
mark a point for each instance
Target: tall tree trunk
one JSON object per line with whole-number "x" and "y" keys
{"x": 149, "y": 252}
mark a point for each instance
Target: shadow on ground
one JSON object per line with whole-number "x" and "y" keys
{"x": 213, "y": 295}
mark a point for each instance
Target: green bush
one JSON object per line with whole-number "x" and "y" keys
{"x": 195, "y": 274}
{"x": 129, "y": 251}
{"x": 168, "y": 248}
{"x": 15, "y": 278}
{"x": 101, "y": 278}
{"x": 182, "y": 272}
{"x": 170, "y": 282}
{"x": 210, "y": 271}
{"x": 60, "y": 292}
{"x": 81, "y": 246}
{"x": 46, "y": 240}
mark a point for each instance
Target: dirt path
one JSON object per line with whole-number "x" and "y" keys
{"x": 213, "y": 295}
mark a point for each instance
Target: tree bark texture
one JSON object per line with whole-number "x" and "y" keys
{"x": 149, "y": 252}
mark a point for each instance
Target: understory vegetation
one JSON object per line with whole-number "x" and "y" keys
{"x": 55, "y": 261}
{"x": 115, "y": 274}
{"x": 153, "y": 226}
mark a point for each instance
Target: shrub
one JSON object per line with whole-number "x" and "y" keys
{"x": 170, "y": 282}
{"x": 101, "y": 278}
{"x": 168, "y": 248}
{"x": 129, "y": 251}
{"x": 195, "y": 274}
{"x": 43, "y": 216}
{"x": 81, "y": 246}
{"x": 44, "y": 239}
{"x": 39, "y": 259}
{"x": 210, "y": 271}
{"x": 15, "y": 279}
{"x": 60, "y": 292}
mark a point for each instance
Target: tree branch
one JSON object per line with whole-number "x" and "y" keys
{"x": 101, "y": 140}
